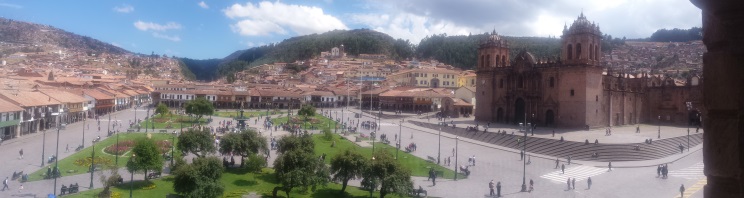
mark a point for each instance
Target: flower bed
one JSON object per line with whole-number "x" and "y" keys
{"x": 122, "y": 148}
{"x": 85, "y": 162}
{"x": 164, "y": 146}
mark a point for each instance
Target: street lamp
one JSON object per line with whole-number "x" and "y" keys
{"x": 117, "y": 148}
{"x": 56, "y": 162}
{"x": 400, "y": 129}
{"x": 524, "y": 149}
{"x": 92, "y": 162}
{"x": 131, "y": 179}
{"x": 135, "y": 119}
{"x": 457, "y": 152}
{"x": 85, "y": 117}
{"x": 659, "y": 137}
{"x": 439, "y": 148}
{"x": 689, "y": 107}
{"x": 173, "y": 145}
{"x": 148, "y": 116}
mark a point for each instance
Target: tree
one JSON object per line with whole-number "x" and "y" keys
{"x": 198, "y": 142}
{"x": 346, "y": 166}
{"x": 288, "y": 143}
{"x": 306, "y": 111}
{"x": 145, "y": 156}
{"x": 109, "y": 181}
{"x": 386, "y": 172}
{"x": 298, "y": 166}
{"x": 199, "y": 107}
{"x": 161, "y": 109}
{"x": 244, "y": 143}
{"x": 200, "y": 178}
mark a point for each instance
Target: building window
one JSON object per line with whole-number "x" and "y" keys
{"x": 578, "y": 51}
{"x": 552, "y": 82}
{"x": 569, "y": 52}
{"x": 572, "y": 92}
{"x": 596, "y": 98}
{"x": 501, "y": 83}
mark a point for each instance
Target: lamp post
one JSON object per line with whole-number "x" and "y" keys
{"x": 85, "y": 117}
{"x": 457, "y": 152}
{"x": 56, "y": 155}
{"x": 689, "y": 107}
{"x": 397, "y": 145}
{"x": 135, "y": 118}
{"x": 173, "y": 142}
{"x": 524, "y": 149}
{"x": 659, "y": 137}
{"x": 92, "y": 163}
{"x": 109, "y": 123}
{"x": 439, "y": 148}
{"x": 117, "y": 149}
{"x": 148, "y": 116}
{"x": 43, "y": 148}
{"x": 131, "y": 179}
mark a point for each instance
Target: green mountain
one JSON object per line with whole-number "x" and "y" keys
{"x": 459, "y": 51}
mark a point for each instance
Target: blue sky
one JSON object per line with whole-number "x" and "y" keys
{"x": 215, "y": 28}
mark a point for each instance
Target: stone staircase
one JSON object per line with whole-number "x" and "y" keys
{"x": 578, "y": 150}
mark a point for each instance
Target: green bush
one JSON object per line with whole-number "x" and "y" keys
{"x": 255, "y": 163}
{"x": 327, "y": 134}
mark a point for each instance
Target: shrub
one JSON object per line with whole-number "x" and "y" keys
{"x": 327, "y": 134}
{"x": 255, "y": 163}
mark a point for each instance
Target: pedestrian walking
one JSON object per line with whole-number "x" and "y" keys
{"x": 20, "y": 188}
{"x": 556, "y": 163}
{"x": 473, "y": 160}
{"x": 490, "y": 187}
{"x": 682, "y": 191}
{"x": 563, "y": 168}
{"x": 532, "y": 185}
{"x": 681, "y": 148}
{"x": 67, "y": 148}
{"x": 498, "y": 189}
{"x": 589, "y": 183}
{"x": 521, "y": 155}
{"x": 568, "y": 183}
{"x": 21, "y": 153}
{"x": 658, "y": 171}
{"x": 5, "y": 184}
{"x": 573, "y": 183}
{"x": 638, "y": 129}
{"x": 609, "y": 166}
{"x": 553, "y": 133}
{"x": 569, "y": 160}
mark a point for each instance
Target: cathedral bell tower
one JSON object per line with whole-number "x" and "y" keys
{"x": 581, "y": 43}
{"x": 493, "y": 52}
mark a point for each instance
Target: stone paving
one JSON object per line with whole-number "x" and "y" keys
{"x": 493, "y": 162}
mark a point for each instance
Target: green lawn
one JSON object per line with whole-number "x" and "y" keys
{"x": 419, "y": 167}
{"x": 237, "y": 183}
{"x": 162, "y": 122}
{"x": 250, "y": 114}
{"x": 67, "y": 166}
{"x": 317, "y": 121}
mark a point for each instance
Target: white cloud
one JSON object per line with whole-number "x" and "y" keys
{"x": 145, "y": 26}
{"x": 174, "y": 38}
{"x": 124, "y": 8}
{"x": 265, "y": 18}
{"x": 204, "y": 5}
{"x": 631, "y": 18}
{"x": 410, "y": 26}
{"x": 10, "y": 5}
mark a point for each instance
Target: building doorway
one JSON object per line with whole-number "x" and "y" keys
{"x": 434, "y": 83}
{"x": 549, "y": 118}
{"x": 519, "y": 110}
{"x": 500, "y": 115}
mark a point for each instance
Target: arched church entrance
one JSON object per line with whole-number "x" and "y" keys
{"x": 519, "y": 110}
{"x": 549, "y": 118}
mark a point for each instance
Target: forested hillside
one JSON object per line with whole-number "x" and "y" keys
{"x": 360, "y": 41}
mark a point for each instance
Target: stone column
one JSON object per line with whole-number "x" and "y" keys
{"x": 723, "y": 66}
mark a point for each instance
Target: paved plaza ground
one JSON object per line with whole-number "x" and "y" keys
{"x": 628, "y": 179}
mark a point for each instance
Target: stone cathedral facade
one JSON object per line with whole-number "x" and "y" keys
{"x": 572, "y": 91}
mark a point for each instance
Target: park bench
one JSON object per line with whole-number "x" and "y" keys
{"x": 163, "y": 131}
{"x": 431, "y": 159}
{"x": 154, "y": 175}
{"x": 130, "y": 130}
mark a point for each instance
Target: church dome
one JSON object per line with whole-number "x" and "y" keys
{"x": 526, "y": 56}
{"x": 582, "y": 25}
{"x": 494, "y": 40}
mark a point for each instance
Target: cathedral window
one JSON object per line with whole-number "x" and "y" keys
{"x": 520, "y": 83}
{"x": 596, "y": 98}
{"x": 552, "y": 82}
{"x": 503, "y": 60}
{"x": 501, "y": 83}
{"x": 570, "y": 52}
{"x": 578, "y": 51}
{"x": 488, "y": 60}
{"x": 572, "y": 92}
{"x": 596, "y": 52}
{"x": 591, "y": 55}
